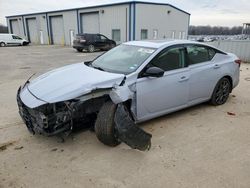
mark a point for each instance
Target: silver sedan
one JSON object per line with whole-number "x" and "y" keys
{"x": 132, "y": 83}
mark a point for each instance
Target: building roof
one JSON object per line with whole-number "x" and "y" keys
{"x": 103, "y": 5}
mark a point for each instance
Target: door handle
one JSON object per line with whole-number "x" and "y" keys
{"x": 216, "y": 66}
{"x": 183, "y": 78}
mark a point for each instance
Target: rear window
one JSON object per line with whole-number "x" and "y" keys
{"x": 80, "y": 37}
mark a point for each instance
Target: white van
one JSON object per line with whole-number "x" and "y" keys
{"x": 11, "y": 39}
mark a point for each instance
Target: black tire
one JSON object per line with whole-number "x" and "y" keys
{"x": 91, "y": 48}
{"x": 25, "y": 43}
{"x": 105, "y": 125}
{"x": 2, "y": 44}
{"x": 221, "y": 92}
{"x": 112, "y": 46}
{"x": 79, "y": 50}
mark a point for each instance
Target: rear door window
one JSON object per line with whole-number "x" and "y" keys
{"x": 78, "y": 37}
{"x": 199, "y": 54}
{"x": 97, "y": 37}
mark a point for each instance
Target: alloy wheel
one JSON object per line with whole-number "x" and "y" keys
{"x": 222, "y": 92}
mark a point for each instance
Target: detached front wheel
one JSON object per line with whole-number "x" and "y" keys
{"x": 105, "y": 125}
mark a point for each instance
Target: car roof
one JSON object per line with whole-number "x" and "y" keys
{"x": 161, "y": 43}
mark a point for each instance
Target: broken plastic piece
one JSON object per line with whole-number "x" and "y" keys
{"x": 128, "y": 132}
{"x": 121, "y": 94}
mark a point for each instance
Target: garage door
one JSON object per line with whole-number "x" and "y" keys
{"x": 15, "y": 29}
{"x": 90, "y": 23}
{"x": 57, "y": 30}
{"x": 32, "y": 30}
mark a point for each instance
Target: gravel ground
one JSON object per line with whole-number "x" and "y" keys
{"x": 202, "y": 146}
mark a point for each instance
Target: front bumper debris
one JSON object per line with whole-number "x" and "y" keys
{"x": 38, "y": 122}
{"x": 128, "y": 132}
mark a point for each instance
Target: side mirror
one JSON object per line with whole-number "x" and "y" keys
{"x": 154, "y": 72}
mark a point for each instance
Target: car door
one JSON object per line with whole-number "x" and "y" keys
{"x": 12, "y": 40}
{"x": 204, "y": 72}
{"x": 16, "y": 40}
{"x": 158, "y": 96}
{"x": 101, "y": 41}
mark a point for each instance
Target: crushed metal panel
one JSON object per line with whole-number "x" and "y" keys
{"x": 128, "y": 132}
{"x": 121, "y": 94}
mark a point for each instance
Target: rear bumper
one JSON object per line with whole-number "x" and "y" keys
{"x": 80, "y": 46}
{"x": 237, "y": 78}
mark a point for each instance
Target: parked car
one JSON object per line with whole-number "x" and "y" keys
{"x": 201, "y": 39}
{"x": 11, "y": 39}
{"x": 132, "y": 83}
{"x": 91, "y": 42}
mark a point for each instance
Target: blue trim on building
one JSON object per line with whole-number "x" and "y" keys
{"x": 188, "y": 26}
{"x": 11, "y": 29}
{"x": 129, "y": 38}
{"x": 77, "y": 17}
{"x": 48, "y": 31}
{"x": 98, "y": 6}
{"x": 80, "y": 23}
{"x": 24, "y": 30}
{"x": 27, "y": 25}
{"x": 134, "y": 20}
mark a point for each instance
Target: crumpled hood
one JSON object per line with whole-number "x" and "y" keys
{"x": 70, "y": 82}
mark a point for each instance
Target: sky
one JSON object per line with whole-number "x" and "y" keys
{"x": 203, "y": 12}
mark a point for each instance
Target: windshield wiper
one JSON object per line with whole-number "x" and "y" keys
{"x": 99, "y": 68}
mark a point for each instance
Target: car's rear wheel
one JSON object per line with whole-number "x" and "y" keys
{"x": 2, "y": 44}
{"x": 105, "y": 125}
{"x": 79, "y": 50}
{"x": 112, "y": 46}
{"x": 91, "y": 48}
{"x": 221, "y": 92}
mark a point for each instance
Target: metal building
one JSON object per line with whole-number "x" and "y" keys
{"x": 124, "y": 21}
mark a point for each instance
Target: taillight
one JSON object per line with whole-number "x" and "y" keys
{"x": 238, "y": 61}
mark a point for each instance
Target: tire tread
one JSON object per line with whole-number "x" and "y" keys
{"x": 104, "y": 125}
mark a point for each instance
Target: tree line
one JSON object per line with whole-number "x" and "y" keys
{"x": 3, "y": 29}
{"x": 216, "y": 30}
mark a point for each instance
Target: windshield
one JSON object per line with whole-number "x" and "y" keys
{"x": 123, "y": 59}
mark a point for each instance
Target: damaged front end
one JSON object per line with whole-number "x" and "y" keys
{"x": 48, "y": 119}
{"x": 54, "y": 118}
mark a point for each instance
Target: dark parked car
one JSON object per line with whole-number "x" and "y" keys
{"x": 91, "y": 42}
